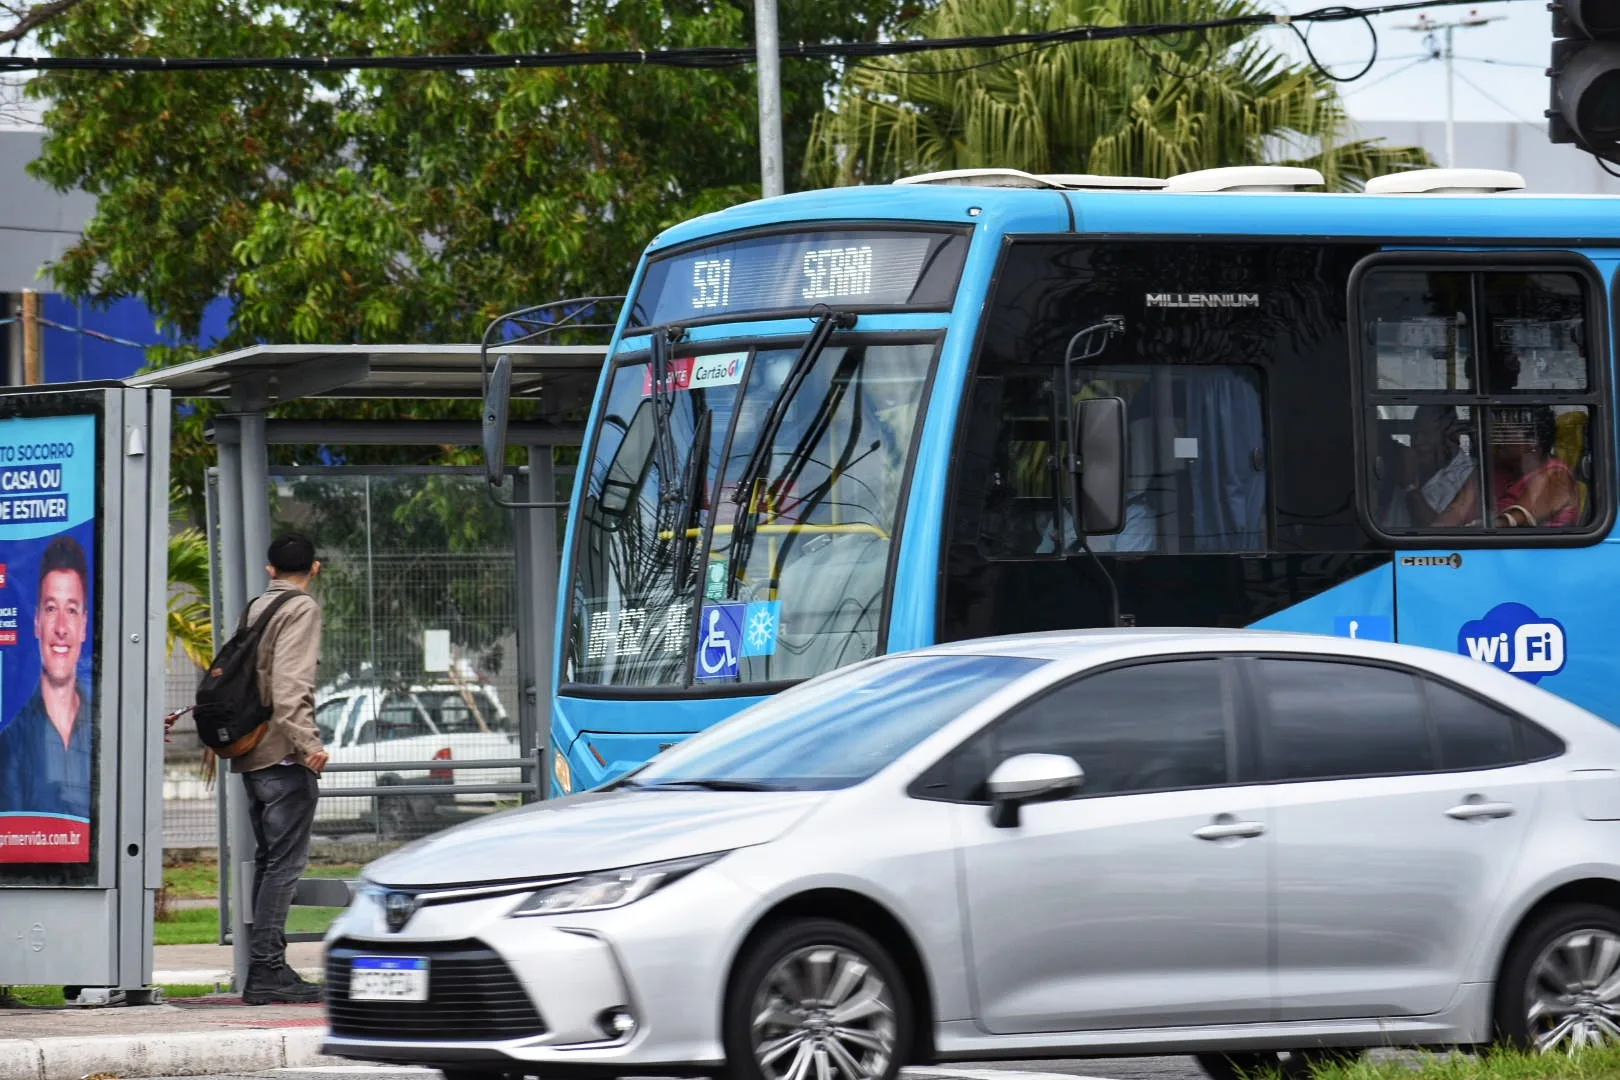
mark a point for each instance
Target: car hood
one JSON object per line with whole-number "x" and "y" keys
{"x": 594, "y": 831}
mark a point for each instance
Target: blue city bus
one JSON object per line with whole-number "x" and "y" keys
{"x": 848, "y": 422}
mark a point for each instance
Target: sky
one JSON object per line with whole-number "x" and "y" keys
{"x": 1402, "y": 86}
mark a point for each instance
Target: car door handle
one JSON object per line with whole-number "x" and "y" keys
{"x": 1473, "y": 811}
{"x": 1225, "y": 827}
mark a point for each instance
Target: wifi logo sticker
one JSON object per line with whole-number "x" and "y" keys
{"x": 1517, "y": 640}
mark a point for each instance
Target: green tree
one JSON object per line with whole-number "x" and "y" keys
{"x": 1145, "y": 106}
{"x": 403, "y": 206}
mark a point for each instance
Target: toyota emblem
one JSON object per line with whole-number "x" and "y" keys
{"x": 398, "y": 907}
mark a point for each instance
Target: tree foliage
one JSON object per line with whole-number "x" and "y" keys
{"x": 397, "y": 206}
{"x": 1144, "y": 107}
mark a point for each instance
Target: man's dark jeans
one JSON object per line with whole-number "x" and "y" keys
{"x": 281, "y": 804}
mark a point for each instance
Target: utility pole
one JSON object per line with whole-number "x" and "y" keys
{"x": 770, "y": 97}
{"x": 1431, "y": 41}
{"x": 33, "y": 369}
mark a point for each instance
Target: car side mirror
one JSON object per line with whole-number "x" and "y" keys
{"x": 1098, "y": 429}
{"x": 1030, "y": 778}
{"x": 496, "y": 397}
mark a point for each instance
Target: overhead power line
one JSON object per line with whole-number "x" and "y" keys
{"x": 721, "y": 56}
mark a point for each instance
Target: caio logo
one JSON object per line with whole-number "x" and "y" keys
{"x": 1517, "y": 640}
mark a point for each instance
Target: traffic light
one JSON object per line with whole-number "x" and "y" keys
{"x": 1585, "y": 76}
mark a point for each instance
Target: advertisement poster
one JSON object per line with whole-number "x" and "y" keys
{"x": 47, "y": 630}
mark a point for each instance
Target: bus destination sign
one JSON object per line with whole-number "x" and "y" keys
{"x": 857, "y": 268}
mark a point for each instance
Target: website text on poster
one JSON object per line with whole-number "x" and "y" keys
{"x": 47, "y": 626}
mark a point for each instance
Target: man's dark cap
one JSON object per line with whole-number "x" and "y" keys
{"x": 292, "y": 553}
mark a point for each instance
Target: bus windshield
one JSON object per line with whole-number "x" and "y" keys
{"x": 685, "y": 579}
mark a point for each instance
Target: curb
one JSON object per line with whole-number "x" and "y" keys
{"x": 189, "y": 1053}
{"x": 214, "y": 977}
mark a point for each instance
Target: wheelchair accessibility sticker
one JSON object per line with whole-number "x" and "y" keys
{"x": 1517, "y": 640}
{"x": 719, "y": 641}
{"x": 730, "y": 631}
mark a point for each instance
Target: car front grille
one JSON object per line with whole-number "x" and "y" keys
{"x": 472, "y": 997}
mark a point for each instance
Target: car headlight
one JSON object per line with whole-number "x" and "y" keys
{"x": 610, "y": 888}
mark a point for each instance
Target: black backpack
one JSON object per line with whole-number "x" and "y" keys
{"x": 231, "y": 718}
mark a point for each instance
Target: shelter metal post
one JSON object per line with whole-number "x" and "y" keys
{"x": 540, "y": 599}
{"x": 254, "y": 465}
{"x": 233, "y": 580}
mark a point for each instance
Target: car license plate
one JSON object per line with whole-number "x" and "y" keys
{"x": 388, "y": 978}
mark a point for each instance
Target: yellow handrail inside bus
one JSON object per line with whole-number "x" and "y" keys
{"x": 788, "y": 529}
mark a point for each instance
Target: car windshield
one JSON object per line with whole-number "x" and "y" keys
{"x": 834, "y": 732}
{"x": 677, "y": 580}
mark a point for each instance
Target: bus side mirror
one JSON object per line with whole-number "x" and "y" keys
{"x": 496, "y": 395}
{"x": 1098, "y": 429}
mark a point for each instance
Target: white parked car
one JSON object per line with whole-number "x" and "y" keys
{"x": 375, "y": 723}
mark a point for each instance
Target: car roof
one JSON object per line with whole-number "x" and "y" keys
{"x": 1073, "y": 644}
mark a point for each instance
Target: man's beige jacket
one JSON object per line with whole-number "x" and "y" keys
{"x": 288, "y": 653}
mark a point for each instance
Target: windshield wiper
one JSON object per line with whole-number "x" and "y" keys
{"x": 701, "y": 784}
{"x": 827, "y": 321}
{"x": 697, "y": 467}
{"x": 663, "y": 402}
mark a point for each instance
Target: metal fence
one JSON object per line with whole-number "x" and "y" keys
{"x": 418, "y": 592}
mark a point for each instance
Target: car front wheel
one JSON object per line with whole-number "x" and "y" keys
{"x": 1560, "y": 986}
{"x": 817, "y": 999}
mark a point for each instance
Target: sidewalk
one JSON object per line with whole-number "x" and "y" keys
{"x": 181, "y": 1037}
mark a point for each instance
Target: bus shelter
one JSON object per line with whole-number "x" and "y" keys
{"x": 252, "y": 382}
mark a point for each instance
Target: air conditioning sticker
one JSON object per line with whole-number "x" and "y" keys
{"x": 1517, "y": 640}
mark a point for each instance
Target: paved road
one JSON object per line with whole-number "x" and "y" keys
{"x": 1164, "y": 1068}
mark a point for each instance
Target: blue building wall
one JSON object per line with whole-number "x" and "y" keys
{"x": 86, "y": 342}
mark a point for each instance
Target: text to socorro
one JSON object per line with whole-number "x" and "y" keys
{"x": 34, "y": 508}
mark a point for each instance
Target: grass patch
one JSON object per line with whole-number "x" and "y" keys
{"x": 52, "y": 995}
{"x": 200, "y": 880}
{"x": 200, "y": 926}
{"x": 1599, "y": 1063}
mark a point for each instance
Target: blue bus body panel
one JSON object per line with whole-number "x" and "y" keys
{"x": 1569, "y": 221}
{"x": 1549, "y": 624}
{"x": 1362, "y": 607}
{"x": 626, "y": 732}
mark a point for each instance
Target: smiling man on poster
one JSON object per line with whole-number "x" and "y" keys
{"x": 45, "y": 749}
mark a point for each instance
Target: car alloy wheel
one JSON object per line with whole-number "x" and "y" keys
{"x": 1559, "y": 989}
{"x": 817, "y": 999}
{"x": 1573, "y": 994}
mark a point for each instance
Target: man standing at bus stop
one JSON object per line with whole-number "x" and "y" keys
{"x": 280, "y": 773}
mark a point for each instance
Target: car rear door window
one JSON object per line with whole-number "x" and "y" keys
{"x": 1323, "y": 720}
{"x": 1148, "y": 727}
{"x": 1472, "y": 733}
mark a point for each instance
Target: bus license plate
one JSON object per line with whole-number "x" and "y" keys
{"x": 388, "y": 978}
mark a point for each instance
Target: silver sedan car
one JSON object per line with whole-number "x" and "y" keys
{"x": 1247, "y": 846}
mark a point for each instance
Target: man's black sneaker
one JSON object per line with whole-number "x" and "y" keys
{"x": 293, "y": 993}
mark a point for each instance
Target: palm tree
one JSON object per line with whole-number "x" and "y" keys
{"x": 190, "y": 624}
{"x": 1142, "y": 106}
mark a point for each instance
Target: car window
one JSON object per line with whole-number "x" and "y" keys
{"x": 454, "y": 711}
{"x": 400, "y": 717}
{"x": 1324, "y": 719}
{"x": 836, "y": 731}
{"x": 1149, "y": 727}
{"x": 327, "y": 719}
{"x": 1473, "y": 734}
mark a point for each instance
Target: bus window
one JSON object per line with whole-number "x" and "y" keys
{"x": 1021, "y": 501}
{"x": 1455, "y": 449}
{"x": 1196, "y": 453}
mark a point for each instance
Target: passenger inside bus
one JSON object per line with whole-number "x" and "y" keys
{"x": 1530, "y": 486}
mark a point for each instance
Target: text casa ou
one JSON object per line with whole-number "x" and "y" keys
{"x": 46, "y": 478}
